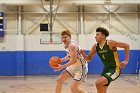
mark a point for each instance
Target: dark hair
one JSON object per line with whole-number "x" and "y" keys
{"x": 66, "y": 32}
{"x": 103, "y": 31}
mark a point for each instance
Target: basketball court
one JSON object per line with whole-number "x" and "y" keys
{"x": 46, "y": 84}
{"x": 30, "y": 35}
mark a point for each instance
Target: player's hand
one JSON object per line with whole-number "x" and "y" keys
{"x": 81, "y": 51}
{"x": 123, "y": 64}
{"x": 60, "y": 67}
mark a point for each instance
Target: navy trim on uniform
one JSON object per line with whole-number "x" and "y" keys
{"x": 77, "y": 80}
{"x": 69, "y": 73}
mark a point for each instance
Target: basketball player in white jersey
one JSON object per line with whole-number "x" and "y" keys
{"x": 76, "y": 67}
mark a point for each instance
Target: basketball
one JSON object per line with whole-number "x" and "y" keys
{"x": 54, "y": 61}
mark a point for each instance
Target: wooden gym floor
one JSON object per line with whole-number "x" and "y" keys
{"x": 46, "y": 84}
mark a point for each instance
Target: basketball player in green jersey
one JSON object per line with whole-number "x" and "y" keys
{"x": 107, "y": 51}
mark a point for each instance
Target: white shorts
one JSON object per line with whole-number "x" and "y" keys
{"x": 79, "y": 73}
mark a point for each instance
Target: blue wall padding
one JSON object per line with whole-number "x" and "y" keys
{"x": 20, "y": 63}
{"x": 36, "y": 62}
{"x": 7, "y": 63}
{"x": 131, "y": 68}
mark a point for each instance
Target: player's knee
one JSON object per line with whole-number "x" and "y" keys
{"x": 59, "y": 81}
{"x": 98, "y": 84}
{"x": 74, "y": 89}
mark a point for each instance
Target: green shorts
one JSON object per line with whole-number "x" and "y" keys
{"x": 111, "y": 74}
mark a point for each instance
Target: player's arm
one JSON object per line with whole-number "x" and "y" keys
{"x": 125, "y": 46}
{"x": 65, "y": 58}
{"x": 91, "y": 53}
{"x": 73, "y": 55}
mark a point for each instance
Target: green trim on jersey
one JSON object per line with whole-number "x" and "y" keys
{"x": 108, "y": 56}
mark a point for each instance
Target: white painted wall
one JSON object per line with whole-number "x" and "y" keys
{"x": 32, "y": 42}
{"x": 8, "y": 43}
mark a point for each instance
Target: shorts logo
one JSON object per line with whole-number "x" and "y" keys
{"x": 108, "y": 74}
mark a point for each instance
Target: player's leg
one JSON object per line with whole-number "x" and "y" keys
{"x": 80, "y": 76}
{"x": 60, "y": 80}
{"x": 100, "y": 84}
{"x": 75, "y": 87}
{"x": 106, "y": 78}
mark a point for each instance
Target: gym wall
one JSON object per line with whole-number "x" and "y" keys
{"x": 23, "y": 54}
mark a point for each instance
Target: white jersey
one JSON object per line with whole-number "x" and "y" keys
{"x": 78, "y": 70}
{"x": 80, "y": 59}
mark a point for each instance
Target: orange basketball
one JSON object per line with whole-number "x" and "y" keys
{"x": 54, "y": 61}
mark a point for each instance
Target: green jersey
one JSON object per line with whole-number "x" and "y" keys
{"x": 109, "y": 57}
